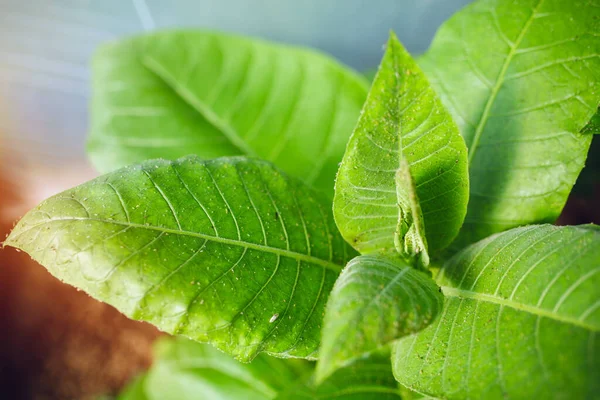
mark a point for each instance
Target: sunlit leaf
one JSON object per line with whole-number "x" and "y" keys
{"x": 402, "y": 121}
{"x": 229, "y": 251}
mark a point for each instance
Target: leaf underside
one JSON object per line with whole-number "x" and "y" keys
{"x": 521, "y": 320}
{"x": 170, "y": 94}
{"x": 402, "y": 120}
{"x": 228, "y": 251}
{"x": 374, "y": 301}
{"x": 521, "y": 78}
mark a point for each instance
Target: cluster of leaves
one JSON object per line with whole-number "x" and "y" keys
{"x": 430, "y": 249}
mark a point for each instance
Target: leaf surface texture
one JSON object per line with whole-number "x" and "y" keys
{"x": 170, "y": 94}
{"x": 521, "y": 320}
{"x": 375, "y": 301}
{"x": 402, "y": 121}
{"x": 521, "y": 78}
{"x": 229, "y": 251}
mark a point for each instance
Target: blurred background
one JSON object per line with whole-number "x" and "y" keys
{"x": 55, "y": 342}
{"x": 46, "y": 45}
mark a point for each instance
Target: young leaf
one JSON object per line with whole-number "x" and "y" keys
{"x": 521, "y": 78}
{"x": 402, "y": 120}
{"x": 410, "y": 233}
{"x": 520, "y": 320}
{"x": 375, "y": 300}
{"x": 229, "y": 251}
{"x": 171, "y": 94}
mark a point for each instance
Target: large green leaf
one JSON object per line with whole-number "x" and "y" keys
{"x": 187, "y": 370}
{"x": 228, "y": 251}
{"x": 402, "y": 120}
{"x": 375, "y": 300}
{"x": 171, "y": 94}
{"x": 520, "y": 321}
{"x": 521, "y": 78}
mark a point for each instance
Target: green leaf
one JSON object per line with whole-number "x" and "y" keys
{"x": 229, "y": 251}
{"x": 410, "y": 236}
{"x": 171, "y": 94}
{"x": 188, "y": 370}
{"x": 521, "y": 78}
{"x": 369, "y": 378}
{"x": 520, "y": 321}
{"x": 402, "y": 120}
{"x": 593, "y": 126}
{"x": 375, "y": 300}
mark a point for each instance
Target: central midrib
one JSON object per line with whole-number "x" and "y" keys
{"x": 467, "y": 294}
{"x": 397, "y": 89}
{"x": 233, "y": 242}
{"x": 499, "y": 82}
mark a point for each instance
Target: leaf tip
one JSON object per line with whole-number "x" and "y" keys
{"x": 11, "y": 240}
{"x": 394, "y": 44}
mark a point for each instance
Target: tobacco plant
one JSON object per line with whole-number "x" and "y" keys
{"x": 437, "y": 245}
